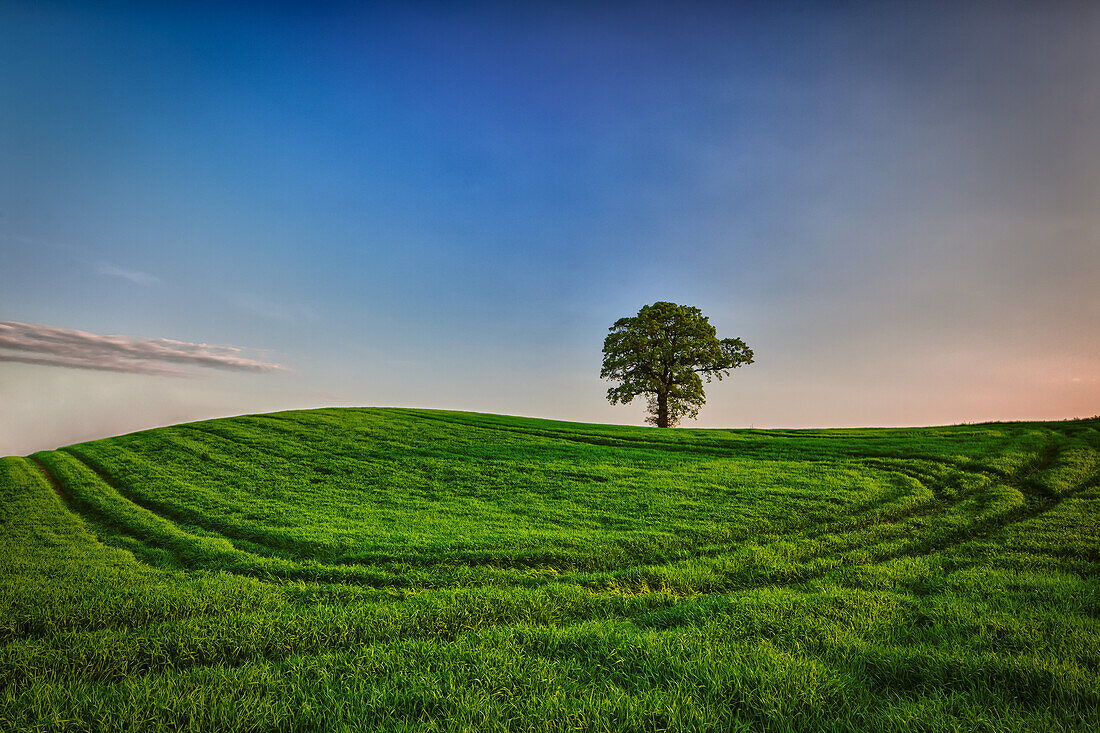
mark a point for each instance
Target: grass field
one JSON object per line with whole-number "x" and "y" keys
{"x": 383, "y": 569}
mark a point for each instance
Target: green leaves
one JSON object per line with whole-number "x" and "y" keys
{"x": 661, "y": 353}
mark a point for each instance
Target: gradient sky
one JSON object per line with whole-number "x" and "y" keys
{"x": 897, "y": 206}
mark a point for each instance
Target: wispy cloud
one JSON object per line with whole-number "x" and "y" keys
{"x": 51, "y": 346}
{"x": 81, "y": 255}
{"x": 266, "y": 308}
{"x": 102, "y": 363}
{"x": 135, "y": 276}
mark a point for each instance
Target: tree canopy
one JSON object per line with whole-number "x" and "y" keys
{"x": 663, "y": 353}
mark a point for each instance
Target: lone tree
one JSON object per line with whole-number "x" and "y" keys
{"x": 661, "y": 353}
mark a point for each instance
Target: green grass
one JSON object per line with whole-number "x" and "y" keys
{"x": 377, "y": 569}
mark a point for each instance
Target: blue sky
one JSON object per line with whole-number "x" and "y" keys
{"x": 425, "y": 205}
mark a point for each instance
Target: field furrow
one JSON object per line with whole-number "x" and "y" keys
{"x": 348, "y": 569}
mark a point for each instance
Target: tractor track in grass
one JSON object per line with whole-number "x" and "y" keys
{"x": 99, "y": 517}
{"x": 168, "y": 513}
{"x": 884, "y": 463}
{"x": 795, "y": 574}
{"x": 97, "y": 520}
{"x": 256, "y": 543}
{"x": 1032, "y": 509}
{"x": 724, "y": 450}
{"x": 326, "y": 571}
{"x": 103, "y": 524}
{"x": 233, "y": 560}
{"x": 893, "y": 519}
{"x": 656, "y": 557}
{"x": 66, "y": 499}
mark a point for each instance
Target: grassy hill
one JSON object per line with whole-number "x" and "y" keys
{"x": 378, "y": 569}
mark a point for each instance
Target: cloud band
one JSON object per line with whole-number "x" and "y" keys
{"x": 51, "y": 346}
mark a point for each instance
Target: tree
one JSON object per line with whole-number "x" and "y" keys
{"x": 661, "y": 353}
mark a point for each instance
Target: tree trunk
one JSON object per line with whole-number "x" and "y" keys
{"x": 662, "y": 409}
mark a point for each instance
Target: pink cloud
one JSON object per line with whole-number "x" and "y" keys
{"x": 63, "y": 347}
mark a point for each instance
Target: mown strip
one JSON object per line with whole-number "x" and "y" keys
{"x": 934, "y": 579}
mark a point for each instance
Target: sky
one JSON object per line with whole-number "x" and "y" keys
{"x": 209, "y": 209}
